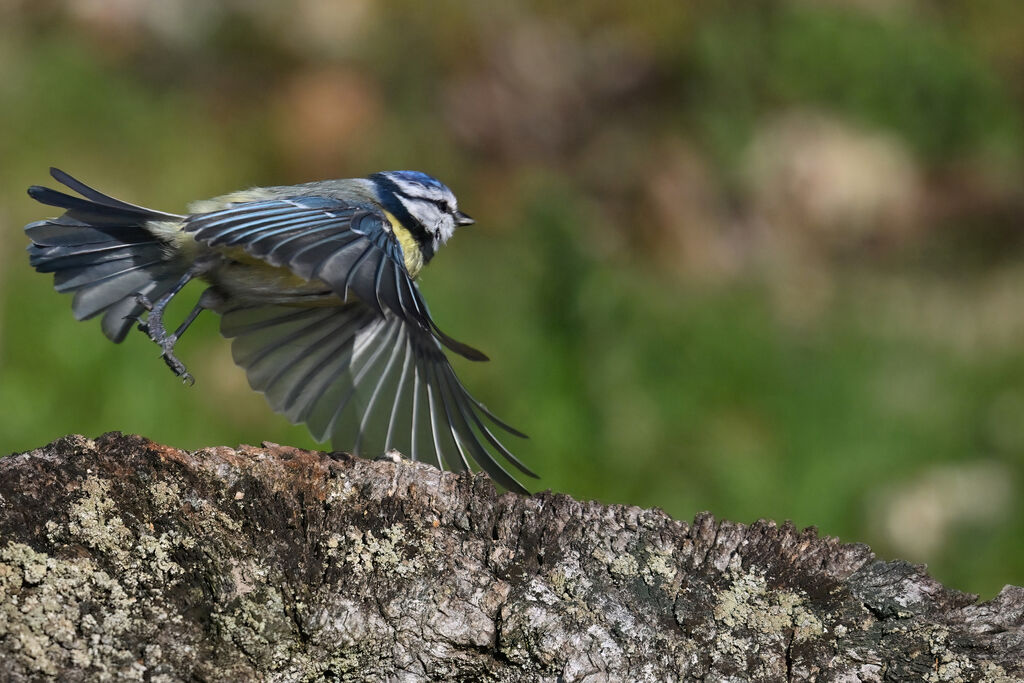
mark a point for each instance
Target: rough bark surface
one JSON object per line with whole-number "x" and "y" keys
{"x": 124, "y": 559}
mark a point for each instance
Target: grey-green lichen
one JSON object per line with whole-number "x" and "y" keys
{"x": 367, "y": 552}
{"x": 45, "y": 601}
{"x": 993, "y": 673}
{"x": 257, "y": 624}
{"x": 620, "y": 564}
{"x": 752, "y": 613}
{"x": 165, "y": 495}
{"x": 748, "y": 602}
{"x": 949, "y": 667}
{"x": 93, "y": 521}
{"x": 140, "y": 555}
{"x": 41, "y": 602}
{"x": 661, "y": 568}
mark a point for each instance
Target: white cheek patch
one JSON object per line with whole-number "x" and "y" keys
{"x": 440, "y": 224}
{"x": 445, "y": 229}
{"x": 424, "y": 212}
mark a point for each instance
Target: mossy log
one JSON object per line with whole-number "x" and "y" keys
{"x": 124, "y": 559}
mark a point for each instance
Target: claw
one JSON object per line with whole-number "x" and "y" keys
{"x": 155, "y": 330}
{"x": 153, "y": 327}
{"x": 176, "y": 366}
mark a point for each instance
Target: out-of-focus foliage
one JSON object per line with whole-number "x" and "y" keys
{"x": 767, "y": 261}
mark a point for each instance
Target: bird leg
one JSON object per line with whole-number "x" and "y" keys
{"x": 154, "y": 328}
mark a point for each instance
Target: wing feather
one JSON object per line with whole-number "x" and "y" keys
{"x": 284, "y": 250}
{"x": 448, "y": 431}
{"x": 368, "y": 383}
{"x": 347, "y": 245}
{"x": 255, "y": 232}
{"x": 400, "y": 421}
{"x": 374, "y": 421}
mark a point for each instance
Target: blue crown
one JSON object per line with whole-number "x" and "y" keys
{"x": 417, "y": 177}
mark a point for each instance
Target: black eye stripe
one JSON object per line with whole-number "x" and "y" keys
{"x": 441, "y": 204}
{"x": 388, "y": 193}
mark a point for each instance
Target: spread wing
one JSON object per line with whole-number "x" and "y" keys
{"x": 348, "y": 246}
{"x": 369, "y": 374}
{"x": 368, "y": 382}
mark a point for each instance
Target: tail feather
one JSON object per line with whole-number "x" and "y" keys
{"x": 73, "y": 277}
{"x": 103, "y": 199}
{"x": 101, "y": 250}
{"x": 65, "y": 232}
{"x": 53, "y": 259}
{"x": 90, "y": 212}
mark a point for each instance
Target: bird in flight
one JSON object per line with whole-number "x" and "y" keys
{"x": 316, "y": 288}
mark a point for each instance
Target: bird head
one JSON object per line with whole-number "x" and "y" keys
{"x": 424, "y": 205}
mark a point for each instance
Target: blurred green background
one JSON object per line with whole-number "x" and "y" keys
{"x": 766, "y": 262}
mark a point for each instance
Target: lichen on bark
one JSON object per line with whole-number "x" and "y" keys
{"x": 124, "y": 559}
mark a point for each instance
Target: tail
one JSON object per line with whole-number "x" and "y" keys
{"x": 101, "y": 250}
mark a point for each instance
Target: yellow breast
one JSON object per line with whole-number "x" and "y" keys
{"x": 410, "y": 249}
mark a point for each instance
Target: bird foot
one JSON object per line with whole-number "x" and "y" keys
{"x": 153, "y": 327}
{"x": 176, "y": 366}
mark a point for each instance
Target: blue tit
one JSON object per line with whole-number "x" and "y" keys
{"x": 316, "y": 288}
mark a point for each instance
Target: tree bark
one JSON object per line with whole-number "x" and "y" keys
{"x": 124, "y": 559}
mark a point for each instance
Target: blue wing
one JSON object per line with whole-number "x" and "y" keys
{"x": 370, "y": 374}
{"x": 368, "y": 383}
{"x": 350, "y": 247}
